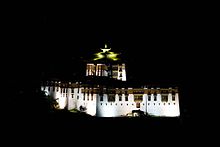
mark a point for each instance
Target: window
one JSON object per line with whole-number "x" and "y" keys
{"x": 138, "y": 97}
{"x": 149, "y": 97}
{"x": 126, "y": 97}
{"x": 72, "y": 90}
{"x": 101, "y": 97}
{"x": 155, "y": 97}
{"x": 148, "y": 103}
{"x": 164, "y": 98}
{"x": 121, "y": 104}
{"x": 137, "y": 105}
{"x": 111, "y": 97}
{"x": 49, "y": 88}
{"x": 53, "y": 88}
{"x": 173, "y": 97}
{"x": 120, "y": 97}
{"x": 72, "y": 95}
{"x": 115, "y": 74}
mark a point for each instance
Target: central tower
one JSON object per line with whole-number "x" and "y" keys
{"x": 106, "y": 64}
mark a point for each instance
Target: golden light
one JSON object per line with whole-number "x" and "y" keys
{"x": 99, "y": 56}
{"x": 112, "y": 56}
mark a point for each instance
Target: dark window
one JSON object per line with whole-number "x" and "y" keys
{"x": 126, "y": 97}
{"x": 120, "y": 97}
{"x": 49, "y": 88}
{"x": 101, "y": 97}
{"x": 164, "y": 98}
{"x": 138, "y": 97}
{"x": 72, "y": 95}
{"x": 53, "y": 88}
{"x": 173, "y": 97}
{"x": 111, "y": 97}
{"x": 155, "y": 97}
{"x": 72, "y": 90}
{"x": 149, "y": 97}
{"x": 137, "y": 105}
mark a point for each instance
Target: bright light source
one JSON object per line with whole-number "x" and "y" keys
{"x": 112, "y": 56}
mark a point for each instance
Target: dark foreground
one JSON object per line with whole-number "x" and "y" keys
{"x": 69, "y": 127}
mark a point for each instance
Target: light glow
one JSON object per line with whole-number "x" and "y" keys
{"x": 112, "y": 56}
{"x": 99, "y": 56}
{"x": 109, "y": 55}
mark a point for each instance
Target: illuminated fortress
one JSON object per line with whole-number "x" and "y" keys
{"x": 104, "y": 91}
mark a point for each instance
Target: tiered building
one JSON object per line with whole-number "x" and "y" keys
{"x": 104, "y": 92}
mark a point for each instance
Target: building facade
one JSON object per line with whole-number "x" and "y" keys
{"x": 111, "y": 98}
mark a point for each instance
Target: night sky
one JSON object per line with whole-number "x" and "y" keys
{"x": 160, "y": 44}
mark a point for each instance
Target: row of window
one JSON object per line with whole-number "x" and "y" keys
{"x": 138, "y": 98}
{"x": 137, "y": 104}
{"x": 116, "y": 104}
{"x": 163, "y": 104}
{"x": 112, "y": 98}
{"x": 63, "y": 90}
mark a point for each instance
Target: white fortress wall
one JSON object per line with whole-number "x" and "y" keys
{"x": 160, "y": 107}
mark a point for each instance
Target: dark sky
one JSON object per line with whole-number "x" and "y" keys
{"x": 160, "y": 41}
{"x": 161, "y": 44}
